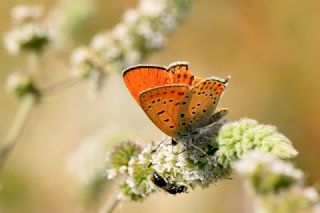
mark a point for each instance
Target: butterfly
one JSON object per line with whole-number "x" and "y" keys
{"x": 174, "y": 99}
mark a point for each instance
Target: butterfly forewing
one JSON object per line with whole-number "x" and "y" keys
{"x": 201, "y": 101}
{"x": 162, "y": 105}
{"x": 180, "y": 74}
{"x": 143, "y": 77}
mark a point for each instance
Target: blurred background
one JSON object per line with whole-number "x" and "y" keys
{"x": 270, "y": 48}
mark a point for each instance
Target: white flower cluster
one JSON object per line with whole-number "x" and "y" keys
{"x": 26, "y": 37}
{"x": 22, "y": 84}
{"x": 23, "y": 13}
{"x": 29, "y": 34}
{"x": 141, "y": 32}
{"x": 85, "y": 62}
{"x": 87, "y": 65}
{"x": 254, "y": 160}
{"x": 87, "y": 162}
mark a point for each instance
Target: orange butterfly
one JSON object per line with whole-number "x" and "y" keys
{"x": 176, "y": 101}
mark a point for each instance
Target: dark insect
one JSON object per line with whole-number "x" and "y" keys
{"x": 171, "y": 188}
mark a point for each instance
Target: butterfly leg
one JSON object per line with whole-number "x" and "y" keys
{"x": 214, "y": 118}
{"x": 212, "y": 158}
{"x": 177, "y": 153}
{"x": 218, "y": 115}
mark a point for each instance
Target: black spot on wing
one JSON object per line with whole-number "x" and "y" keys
{"x": 161, "y": 112}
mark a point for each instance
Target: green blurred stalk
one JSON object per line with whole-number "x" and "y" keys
{"x": 16, "y": 129}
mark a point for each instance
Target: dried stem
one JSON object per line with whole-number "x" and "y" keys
{"x": 59, "y": 86}
{"x": 110, "y": 205}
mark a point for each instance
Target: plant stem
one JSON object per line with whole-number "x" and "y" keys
{"x": 110, "y": 205}
{"x": 16, "y": 129}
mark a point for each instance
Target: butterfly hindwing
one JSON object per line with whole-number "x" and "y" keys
{"x": 162, "y": 105}
{"x": 201, "y": 101}
{"x": 143, "y": 77}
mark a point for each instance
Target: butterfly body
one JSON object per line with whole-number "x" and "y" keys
{"x": 175, "y": 100}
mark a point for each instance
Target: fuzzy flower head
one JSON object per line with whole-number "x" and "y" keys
{"x": 194, "y": 166}
{"x": 130, "y": 160}
{"x": 23, "y": 14}
{"x": 85, "y": 62}
{"x": 138, "y": 184}
{"x": 266, "y": 173}
{"x": 119, "y": 157}
{"x": 237, "y": 138}
{"x": 21, "y": 84}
